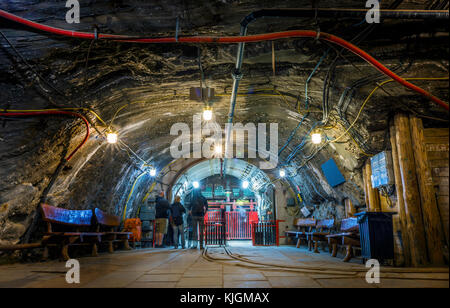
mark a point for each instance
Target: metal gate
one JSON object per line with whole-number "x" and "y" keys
{"x": 221, "y": 226}
{"x": 239, "y": 224}
{"x": 214, "y": 228}
{"x": 265, "y": 233}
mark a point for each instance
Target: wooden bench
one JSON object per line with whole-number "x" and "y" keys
{"x": 348, "y": 237}
{"x": 323, "y": 228}
{"x": 303, "y": 226}
{"x": 106, "y": 225}
{"x": 66, "y": 228}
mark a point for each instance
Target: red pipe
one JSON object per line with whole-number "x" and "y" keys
{"x": 236, "y": 39}
{"x": 38, "y": 113}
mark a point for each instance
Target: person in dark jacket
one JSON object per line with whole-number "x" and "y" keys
{"x": 161, "y": 219}
{"x": 199, "y": 206}
{"x": 177, "y": 221}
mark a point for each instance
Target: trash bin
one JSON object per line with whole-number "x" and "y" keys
{"x": 376, "y": 235}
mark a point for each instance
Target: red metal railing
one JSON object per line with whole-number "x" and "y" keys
{"x": 266, "y": 233}
{"x": 236, "y": 225}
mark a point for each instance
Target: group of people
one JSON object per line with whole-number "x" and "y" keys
{"x": 173, "y": 215}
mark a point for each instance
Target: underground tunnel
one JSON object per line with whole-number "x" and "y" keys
{"x": 224, "y": 144}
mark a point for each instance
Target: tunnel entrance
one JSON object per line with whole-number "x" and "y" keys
{"x": 240, "y": 199}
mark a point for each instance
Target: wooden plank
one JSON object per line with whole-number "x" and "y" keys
{"x": 437, "y": 147}
{"x": 443, "y": 199}
{"x": 374, "y": 197}
{"x": 435, "y": 132}
{"x": 66, "y": 217}
{"x": 442, "y": 180}
{"x": 349, "y": 208}
{"x": 442, "y": 190}
{"x": 434, "y": 155}
{"x": 403, "y": 232}
{"x": 438, "y": 163}
{"x": 442, "y": 171}
{"x": 106, "y": 219}
{"x": 430, "y": 212}
{"x": 436, "y": 140}
{"x": 411, "y": 196}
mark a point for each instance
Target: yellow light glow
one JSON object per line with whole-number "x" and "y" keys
{"x": 218, "y": 149}
{"x": 316, "y": 138}
{"x": 111, "y": 138}
{"x": 207, "y": 114}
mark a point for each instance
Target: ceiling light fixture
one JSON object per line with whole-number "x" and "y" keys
{"x": 218, "y": 149}
{"x": 152, "y": 172}
{"x": 111, "y": 137}
{"x": 316, "y": 138}
{"x": 282, "y": 173}
{"x": 245, "y": 184}
{"x": 196, "y": 184}
{"x": 207, "y": 114}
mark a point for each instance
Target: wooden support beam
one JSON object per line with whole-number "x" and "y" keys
{"x": 400, "y": 221}
{"x": 349, "y": 208}
{"x": 411, "y": 196}
{"x": 430, "y": 212}
{"x": 374, "y": 204}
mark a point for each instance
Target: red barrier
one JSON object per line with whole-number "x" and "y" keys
{"x": 237, "y": 225}
{"x": 266, "y": 233}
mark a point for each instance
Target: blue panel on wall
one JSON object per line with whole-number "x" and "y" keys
{"x": 332, "y": 173}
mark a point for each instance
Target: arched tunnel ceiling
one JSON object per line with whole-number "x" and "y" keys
{"x": 151, "y": 83}
{"x": 237, "y": 168}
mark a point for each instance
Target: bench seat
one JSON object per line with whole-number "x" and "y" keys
{"x": 303, "y": 226}
{"x": 106, "y": 223}
{"x": 66, "y": 228}
{"x": 348, "y": 237}
{"x": 323, "y": 228}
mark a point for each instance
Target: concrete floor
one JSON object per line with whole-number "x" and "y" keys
{"x": 169, "y": 268}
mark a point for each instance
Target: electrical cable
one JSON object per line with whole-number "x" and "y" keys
{"x": 371, "y": 94}
{"x": 53, "y": 112}
{"x": 239, "y": 39}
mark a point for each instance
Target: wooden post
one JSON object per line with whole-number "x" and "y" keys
{"x": 366, "y": 192}
{"x": 349, "y": 208}
{"x": 400, "y": 222}
{"x": 411, "y": 196}
{"x": 374, "y": 197}
{"x": 430, "y": 213}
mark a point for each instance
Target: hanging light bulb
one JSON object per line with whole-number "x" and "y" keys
{"x": 282, "y": 173}
{"x": 218, "y": 149}
{"x": 245, "y": 184}
{"x": 316, "y": 138}
{"x": 111, "y": 137}
{"x": 152, "y": 172}
{"x": 196, "y": 184}
{"x": 207, "y": 114}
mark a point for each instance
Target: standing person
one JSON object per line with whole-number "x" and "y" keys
{"x": 176, "y": 217}
{"x": 189, "y": 228}
{"x": 199, "y": 206}
{"x": 161, "y": 218}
